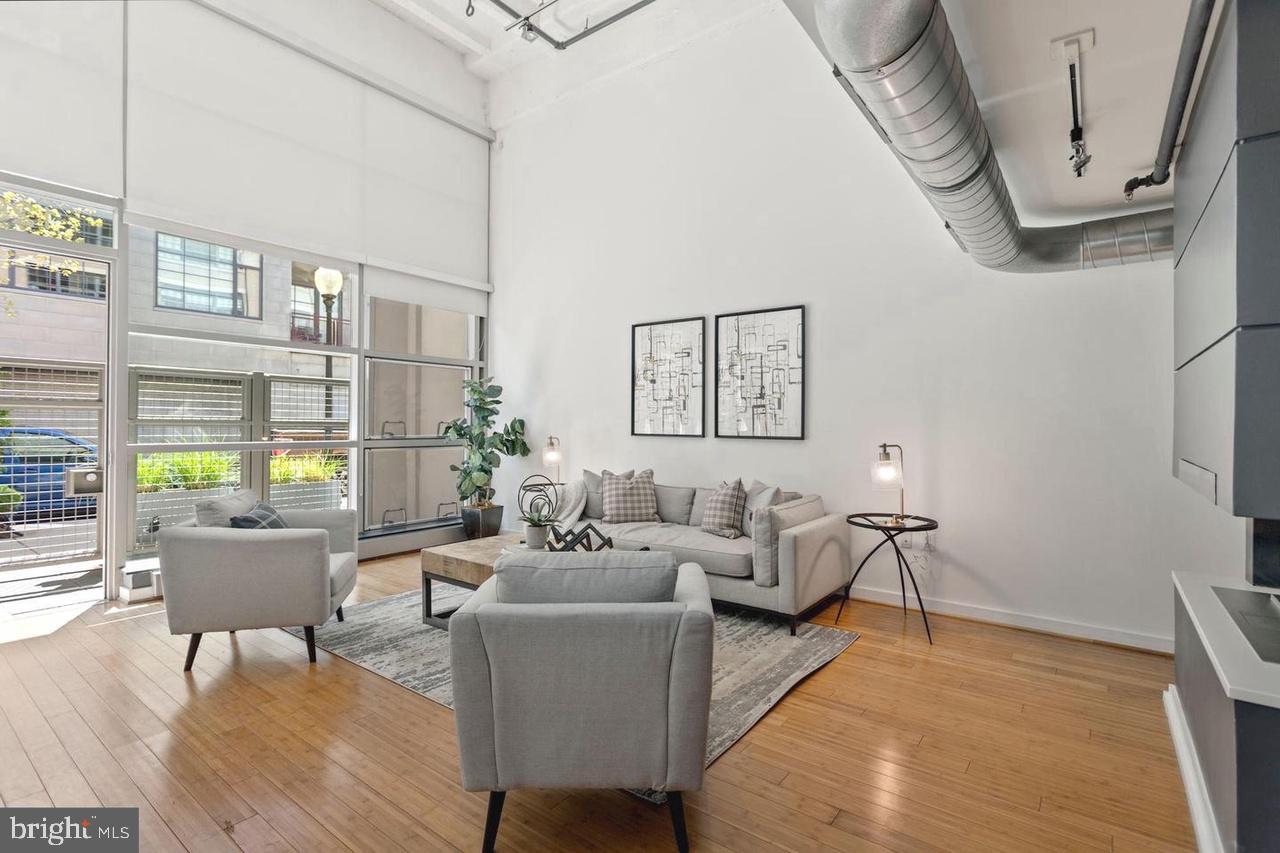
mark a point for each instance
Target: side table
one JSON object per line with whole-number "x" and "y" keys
{"x": 891, "y": 526}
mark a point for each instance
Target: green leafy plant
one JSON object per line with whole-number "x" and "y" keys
{"x": 485, "y": 446}
{"x": 10, "y": 499}
{"x": 187, "y": 470}
{"x": 538, "y": 518}
{"x": 305, "y": 468}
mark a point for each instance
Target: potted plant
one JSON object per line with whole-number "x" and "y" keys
{"x": 485, "y": 448}
{"x": 536, "y": 522}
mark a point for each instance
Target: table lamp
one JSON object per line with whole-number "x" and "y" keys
{"x": 552, "y": 455}
{"x": 886, "y": 475}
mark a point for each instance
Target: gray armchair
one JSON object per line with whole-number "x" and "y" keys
{"x": 224, "y": 579}
{"x": 584, "y": 670}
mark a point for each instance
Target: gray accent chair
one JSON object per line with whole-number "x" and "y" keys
{"x": 224, "y": 579}
{"x": 584, "y": 671}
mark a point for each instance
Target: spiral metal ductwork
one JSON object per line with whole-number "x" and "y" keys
{"x": 898, "y": 60}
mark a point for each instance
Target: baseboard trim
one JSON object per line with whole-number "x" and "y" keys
{"x": 1043, "y": 624}
{"x": 1202, "y": 819}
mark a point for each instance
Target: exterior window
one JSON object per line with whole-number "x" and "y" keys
{"x": 43, "y": 273}
{"x": 307, "y": 319}
{"x": 42, "y": 215}
{"x": 192, "y": 275}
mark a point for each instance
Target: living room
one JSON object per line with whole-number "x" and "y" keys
{"x": 934, "y": 511}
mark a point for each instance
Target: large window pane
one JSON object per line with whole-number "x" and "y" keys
{"x": 45, "y": 215}
{"x": 38, "y": 272}
{"x": 174, "y": 407}
{"x": 170, "y": 484}
{"x": 398, "y": 327}
{"x": 406, "y": 486}
{"x": 408, "y": 400}
{"x": 197, "y": 276}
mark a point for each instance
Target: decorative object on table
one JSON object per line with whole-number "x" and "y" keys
{"x": 552, "y": 455}
{"x": 667, "y": 377}
{"x": 539, "y": 503}
{"x": 891, "y": 527}
{"x": 485, "y": 448}
{"x": 578, "y": 540}
{"x": 760, "y": 374}
{"x": 754, "y": 664}
{"x": 886, "y": 475}
{"x": 722, "y": 514}
{"x": 629, "y": 499}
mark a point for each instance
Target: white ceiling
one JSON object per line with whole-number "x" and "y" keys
{"x": 1005, "y": 45}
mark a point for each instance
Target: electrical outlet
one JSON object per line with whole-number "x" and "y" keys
{"x": 904, "y": 541}
{"x": 930, "y": 544}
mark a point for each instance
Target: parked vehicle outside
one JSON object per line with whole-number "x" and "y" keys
{"x": 33, "y": 461}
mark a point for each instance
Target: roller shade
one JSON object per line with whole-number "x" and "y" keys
{"x": 415, "y": 290}
{"x": 232, "y": 131}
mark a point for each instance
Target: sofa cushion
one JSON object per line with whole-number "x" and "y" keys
{"x": 723, "y": 512}
{"x": 629, "y": 498}
{"x": 715, "y": 554}
{"x": 263, "y": 516}
{"x": 759, "y": 526}
{"x": 217, "y": 512}
{"x": 595, "y": 492}
{"x": 342, "y": 570}
{"x": 675, "y": 503}
{"x": 759, "y": 496}
{"x": 598, "y": 577}
{"x": 790, "y": 514}
{"x": 699, "y": 507}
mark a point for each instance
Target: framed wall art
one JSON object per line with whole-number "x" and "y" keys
{"x": 668, "y": 377}
{"x": 759, "y": 383}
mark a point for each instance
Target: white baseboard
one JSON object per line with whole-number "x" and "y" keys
{"x": 1202, "y": 820}
{"x": 1049, "y": 625}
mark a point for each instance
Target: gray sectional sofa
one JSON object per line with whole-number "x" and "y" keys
{"x": 797, "y": 556}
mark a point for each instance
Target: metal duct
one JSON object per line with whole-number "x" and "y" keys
{"x": 898, "y": 60}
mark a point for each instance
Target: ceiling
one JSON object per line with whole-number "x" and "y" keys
{"x": 1005, "y": 44}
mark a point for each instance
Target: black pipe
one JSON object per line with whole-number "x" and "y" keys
{"x": 1184, "y": 74}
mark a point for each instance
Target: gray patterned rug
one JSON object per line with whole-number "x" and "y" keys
{"x": 756, "y": 659}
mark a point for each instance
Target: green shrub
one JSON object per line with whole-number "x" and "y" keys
{"x": 305, "y": 468}
{"x": 9, "y": 500}
{"x": 187, "y": 470}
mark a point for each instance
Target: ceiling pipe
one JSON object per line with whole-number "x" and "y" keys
{"x": 898, "y": 61}
{"x": 1184, "y": 75}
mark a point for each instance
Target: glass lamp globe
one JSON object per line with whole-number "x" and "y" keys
{"x": 328, "y": 281}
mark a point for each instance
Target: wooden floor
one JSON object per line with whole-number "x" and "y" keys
{"x": 992, "y": 739}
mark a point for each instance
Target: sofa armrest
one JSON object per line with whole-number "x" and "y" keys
{"x": 223, "y": 579}
{"x": 813, "y": 560}
{"x": 473, "y": 692}
{"x": 689, "y": 696}
{"x": 340, "y": 524}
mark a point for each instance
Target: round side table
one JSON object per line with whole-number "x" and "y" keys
{"x": 891, "y": 526}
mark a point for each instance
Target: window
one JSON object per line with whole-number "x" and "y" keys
{"x": 48, "y": 448}
{"x": 308, "y": 318}
{"x": 44, "y": 273}
{"x": 192, "y": 275}
{"x": 44, "y": 215}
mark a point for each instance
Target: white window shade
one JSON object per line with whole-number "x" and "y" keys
{"x": 230, "y": 130}
{"x": 61, "y": 63}
{"x": 415, "y": 290}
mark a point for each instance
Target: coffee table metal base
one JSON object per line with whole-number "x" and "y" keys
{"x": 437, "y": 620}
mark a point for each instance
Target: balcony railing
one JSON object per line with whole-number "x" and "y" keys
{"x": 310, "y": 328}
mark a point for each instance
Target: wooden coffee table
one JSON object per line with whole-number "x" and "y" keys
{"x": 466, "y": 564}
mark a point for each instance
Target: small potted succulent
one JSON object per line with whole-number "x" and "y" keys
{"x": 536, "y": 524}
{"x": 485, "y": 447}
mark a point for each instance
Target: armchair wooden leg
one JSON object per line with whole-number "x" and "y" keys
{"x": 675, "y": 802}
{"x": 494, "y": 815}
{"x": 191, "y": 651}
{"x": 340, "y": 613}
{"x": 311, "y": 642}
{"x": 793, "y": 626}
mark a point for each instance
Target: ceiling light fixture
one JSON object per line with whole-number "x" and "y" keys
{"x": 527, "y": 33}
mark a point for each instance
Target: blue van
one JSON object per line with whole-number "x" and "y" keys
{"x": 32, "y": 462}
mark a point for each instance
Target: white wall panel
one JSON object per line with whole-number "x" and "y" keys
{"x": 61, "y": 66}
{"x": 426, "y": 191}
{"x": 232, "y": 131}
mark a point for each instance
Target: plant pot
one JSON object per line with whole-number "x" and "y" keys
{"x": 535, "y": 538}
{"x": 478, "y": 522}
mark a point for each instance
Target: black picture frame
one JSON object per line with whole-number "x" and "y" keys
{"x": 799, "y": 357}
{"x": 701, "y": 386}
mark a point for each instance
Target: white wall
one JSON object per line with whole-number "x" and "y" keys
{"x": 734, "y": 174}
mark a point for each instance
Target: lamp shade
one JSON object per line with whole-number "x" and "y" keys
{"x": 886, "y": 473}
{"x": 551, "y": 454}
{"x": 329, "y": 281}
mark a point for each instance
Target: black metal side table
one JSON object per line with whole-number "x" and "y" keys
{"x": 891, "y": 526}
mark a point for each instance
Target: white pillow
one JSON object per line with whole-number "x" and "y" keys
{"x": 572, "y": 500}
{"x": 217, "y": 512}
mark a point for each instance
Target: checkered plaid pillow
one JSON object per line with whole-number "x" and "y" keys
{"x": 723, "y": 513}
{"x": 263, "y": 516}
{"x": 630, "y": 498}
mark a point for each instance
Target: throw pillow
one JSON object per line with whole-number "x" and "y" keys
{"x": 595, "y": 492}
{"x": 723, "y": 513}
{"x": 217, "y": 512}
{"x": 675, "y": 503}
{"x": 759, "y": 496}
{"x": 572, "y": 499}
{"x": 629, "y": 499}
{"x": 263, "y": 516}
{"x": 781, "y": 517}
{"x": 700, "y": 496}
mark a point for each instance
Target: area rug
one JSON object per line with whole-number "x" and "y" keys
{"x": 756, "y": 659}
